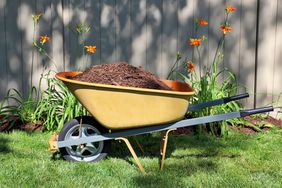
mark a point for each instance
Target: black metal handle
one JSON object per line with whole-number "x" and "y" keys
{"x": 236, "y": 97}
{"x": 248, "y": 112}
{"x": 216, "y": 102}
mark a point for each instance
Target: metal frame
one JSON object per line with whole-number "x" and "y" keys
{"x": 150, "y": 129}
{"x": 120, "y": 135}
{"x": 130, "y": 148}
{"x": 164, "y": 140}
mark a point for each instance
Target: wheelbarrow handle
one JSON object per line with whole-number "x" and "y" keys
{"x": 236, "y": 97}
{"x": 248, "y": 112}
{"x": 217, "y": 102}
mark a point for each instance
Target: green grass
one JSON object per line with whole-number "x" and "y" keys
{"x": 235, "y": 161}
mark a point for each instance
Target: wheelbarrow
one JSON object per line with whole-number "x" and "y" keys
{"x": 119, "y": 112}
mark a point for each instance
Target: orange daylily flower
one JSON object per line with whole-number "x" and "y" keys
{"x": 43, "y": 39}
{"x": 90, "y": 49}
{"x": 225, "y": 29}
{"x": 195, "y": 42}
{"x": 229, "y": 8}
{"x": 190, "y": 66}
{"x": 201, "y": 22}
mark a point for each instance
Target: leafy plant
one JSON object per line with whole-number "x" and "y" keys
{"x": 209, "y": 84}
{"x": 16, "y": 107}
{"x": 57, "y": 105}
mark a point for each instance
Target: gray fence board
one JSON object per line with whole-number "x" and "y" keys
{"x": 215, "y": 20}
{"x": 93, "y": 19}
{"x": 13, "y": 45}
{"x": 138, "y": 33}
{"x": 3, "y": 59}
{"x": 185, "y": 29}
{"x": 108, "y": 31}
{"x": 74, "y": 49}
{"x": 277, "y": 68}
{"x": 232, "y": 44}
{"x": 266, "y": 51}
{"x": 247, "y": 50}
{"x": 154, "y": 36}
{"x": 123, "y": 30}
{"x": 202, "y": 10}
{"x": 26, "y": 26}
{"x": 169, "y": 36}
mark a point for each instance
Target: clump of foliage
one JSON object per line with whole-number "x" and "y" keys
{"x": 208, "y": 83}
{"x": 57, "y": 105}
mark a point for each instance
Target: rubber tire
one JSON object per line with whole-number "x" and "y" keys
{"x": 85, "y": 120}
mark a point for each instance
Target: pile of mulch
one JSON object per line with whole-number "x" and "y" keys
{"x": 121, "y": 74}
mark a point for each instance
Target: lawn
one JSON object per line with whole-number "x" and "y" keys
{"x": 235, "y": 161}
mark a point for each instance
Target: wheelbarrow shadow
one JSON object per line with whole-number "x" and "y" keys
{"x": 204, "y": 148}
{"x": 190, "y": 154}
{"x": 147, "y": 145}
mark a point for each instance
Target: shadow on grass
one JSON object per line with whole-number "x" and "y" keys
{"x": 204, "y": 149}
{"x": 4, "y": 148}
{"x": 150, "y": 146}
{"x": 176, "y": 174}
{"x": 147, "y": 145}
{"x": 209, "y": 146}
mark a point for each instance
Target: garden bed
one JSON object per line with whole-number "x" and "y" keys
{"x": 16, "y": 124}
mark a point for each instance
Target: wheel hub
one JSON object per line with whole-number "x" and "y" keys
{"x": 87, "y": 151}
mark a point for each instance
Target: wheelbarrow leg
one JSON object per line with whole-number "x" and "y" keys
{"x": 133, "y": 154}
{"x": 164, "y": 139}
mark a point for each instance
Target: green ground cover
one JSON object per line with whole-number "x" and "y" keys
{"x": 234, "y": 161}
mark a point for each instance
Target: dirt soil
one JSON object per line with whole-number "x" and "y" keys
{"x": 121, "y": 74}
{"x": 14, "y": 123}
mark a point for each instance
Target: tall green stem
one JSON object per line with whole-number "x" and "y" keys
{"x": 32, "y": 54}
{"x": 200, "y": 63}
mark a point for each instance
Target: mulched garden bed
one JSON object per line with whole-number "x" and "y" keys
{"x": 14, "y": 123}
{"x": 239, "y": 128}
{"x": 121, "y": 74}
{"x": 269, "y": 119}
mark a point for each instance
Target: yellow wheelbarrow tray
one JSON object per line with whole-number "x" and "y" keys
{"x": 119, "y": 112}
{"x": 118, "y": 107}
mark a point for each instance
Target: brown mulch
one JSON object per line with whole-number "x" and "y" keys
{"x": 14, "y": 123}
{"x": 256, "y": 120}
{"x": 239, "y": 128}
{"x": 269, "y": 119}
{"x": 183, "y": 131}
{"x": 121, "y": 74}
{"x": 244, "y": 130}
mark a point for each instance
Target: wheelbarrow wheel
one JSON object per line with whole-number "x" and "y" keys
{"x": 90, "y": 152}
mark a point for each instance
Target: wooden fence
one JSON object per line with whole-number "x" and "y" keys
{"x": 144, "y": 33}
